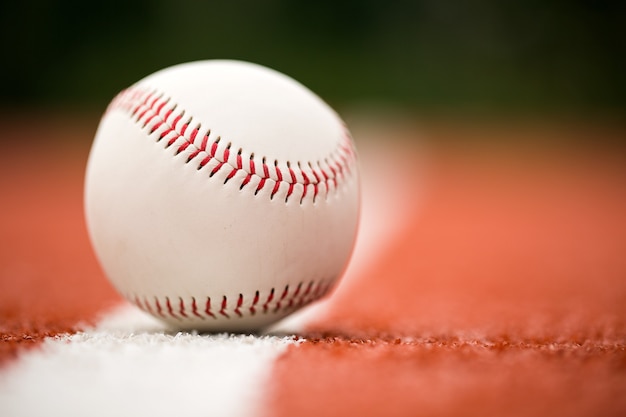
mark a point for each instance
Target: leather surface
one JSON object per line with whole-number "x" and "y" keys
{"x": 163, "y": 228}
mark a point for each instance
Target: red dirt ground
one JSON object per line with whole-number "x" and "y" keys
{"x": 505, "y": 295}
{"x": 50, "y": 282}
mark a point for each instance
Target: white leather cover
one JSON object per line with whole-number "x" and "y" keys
{"x": 221, "y": 195}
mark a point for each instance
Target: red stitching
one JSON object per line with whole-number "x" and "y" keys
{"x": 181, "y": 309}
{"x": 254, "y": 302}
{"x": 194, "y": 133}
{"x": 282, "y": 297}
{"x": 156, "y": 126}
{"x": 194, "y": 308}
{"x": 318, "y": 290}
{"x": 205, "y": 140}
{"x": 207, "y": 310}
{"x": 307, "y": 182}
{"x": 146, "y": 304}
{"x": 142, "y": 114}
{"x": 246, "y": 181}
{"x": 154, "y": 101}
{"x": 202, "y": 147}
{"x": 269, "y": 300}
{"x": 316, "y": 183}
{"x": 266, "y": 170}
{"x": 214, "y": 148}
{"x": 171, "y": 141}
{"x": 217, "y": 168}
{"x": 158, "y": 110}
{"x": 138, "y": 303}
{"x": 239, "y": 304}
{"x": 279, "y": 174}
{"x": 324, "y": 174}
{"x": 294, "y": 295}
{"x": 146, "y": 107}
{"x": 170, "y": 310}
{"x": 275, "y": 189}
{"x": 204, "y": 161}
{"x": 260, "y": 186}
{"x": 333, "y": 179}
{"x": 165, "y": 133}
{"x": 223, "y": 309}
{"x": 306, "y": 293}
{"x": 293, "y": 181}
{"x": 288, "y": 300}
{"x": 231, "y": 175}
{"x": 159, "y": 308}
{"x": 239, "y": 163}
{"x": 182, "y": 147}
{"x": 308, "y": 289}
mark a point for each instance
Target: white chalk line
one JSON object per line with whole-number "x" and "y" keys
{"x": 129, "y": 365}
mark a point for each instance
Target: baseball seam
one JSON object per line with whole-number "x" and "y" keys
{"x": 217, "y": 308}
{"x": 166, "y": 121}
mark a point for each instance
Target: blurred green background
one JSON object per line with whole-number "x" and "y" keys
{"x": 498, "y": 56}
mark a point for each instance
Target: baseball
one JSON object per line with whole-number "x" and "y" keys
{"x": 221, "y": 195}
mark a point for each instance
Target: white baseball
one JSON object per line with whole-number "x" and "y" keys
{"x": 221, "y": 195}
